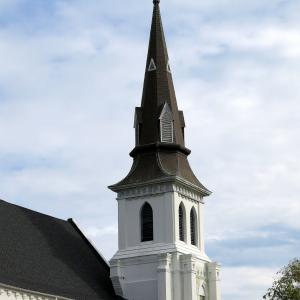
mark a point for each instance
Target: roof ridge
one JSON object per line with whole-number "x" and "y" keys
{"x": 87, "y": 241}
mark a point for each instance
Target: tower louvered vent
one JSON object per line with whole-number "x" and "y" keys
{"x": 166, "y": 125}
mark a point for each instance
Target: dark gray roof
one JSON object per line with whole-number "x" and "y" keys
{"x": 49, "y": 255}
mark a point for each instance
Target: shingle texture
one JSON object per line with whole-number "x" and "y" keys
{"x": 49, "y": 255}
{"x": 158, "y": 87}
{"x": 154, "y": 159}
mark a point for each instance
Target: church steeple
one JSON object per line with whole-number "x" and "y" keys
{"x": 161, "y": 253}
{"x": 158, "y": 93}
{"x": 160, "y": 153}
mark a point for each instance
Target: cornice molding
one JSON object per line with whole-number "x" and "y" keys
{"x": 19, "y": 293}
{"x": 153, "y": 189}
{"x": 135, "y": 254}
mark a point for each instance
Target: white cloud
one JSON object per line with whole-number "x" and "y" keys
{"x": 68, "y": 87}
{"x": 246, "y": 283}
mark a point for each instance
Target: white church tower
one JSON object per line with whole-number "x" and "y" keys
{"x": 161, "y": 252}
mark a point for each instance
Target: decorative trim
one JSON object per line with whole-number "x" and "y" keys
{"x": 173, "y": 179}
{"x": 132, "y": 261}
{"x": 160, "y": 188}
{"x": 19, "y": 293}
{"x": 158, "y": 248}
{"x": 164, "y": 263}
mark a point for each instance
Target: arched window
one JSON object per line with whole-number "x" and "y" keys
{"x": 193, "y": 223}
{"x": 181, "y": 215}
{"x": 146, "y": 223}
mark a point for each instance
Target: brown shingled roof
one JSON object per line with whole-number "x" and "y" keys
{"x": 153, "y": 159}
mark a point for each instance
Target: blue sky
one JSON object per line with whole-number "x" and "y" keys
{"x": 71, "y": 73}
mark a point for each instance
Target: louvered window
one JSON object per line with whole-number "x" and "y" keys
{"x": 146, "y": 223}
{"x": 181, "y": 222}
{"x": 193, "y": 223}
{"x": 166, "y": 125}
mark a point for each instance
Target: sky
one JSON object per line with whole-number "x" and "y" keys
{"x": 71, "y": 73}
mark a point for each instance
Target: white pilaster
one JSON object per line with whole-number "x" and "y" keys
{"x": 214, "y": 281}
{"x": 164, "y": 286}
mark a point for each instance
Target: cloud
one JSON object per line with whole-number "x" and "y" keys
{"x": 246, "y": 283}
{"x": 70, "y": 80}
{"x": 269, "y": 246}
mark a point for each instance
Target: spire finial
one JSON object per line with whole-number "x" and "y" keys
{"x": 156, "y": 1}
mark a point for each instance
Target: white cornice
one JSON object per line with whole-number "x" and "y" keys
{"x": 158, "y": 248}
{"x": 171, "y": 179}
{"x": 19, "y": 293}
{"x": 152, "y": 189}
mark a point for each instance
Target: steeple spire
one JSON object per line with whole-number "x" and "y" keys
{"x": 158, "y": 90}
{"x": 160, "y": 201}
{"x": 160, "y": 153}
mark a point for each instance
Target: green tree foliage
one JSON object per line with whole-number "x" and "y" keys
{"x": 287, "y": 286}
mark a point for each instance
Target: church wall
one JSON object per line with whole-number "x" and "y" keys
{"x": 130, "y": 225}
{"x": 165, "y": 268}
{"x": 168, "y": 276}
{"x": 138, "y": 277}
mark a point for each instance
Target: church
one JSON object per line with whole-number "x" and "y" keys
{"x": 161, "y": 248}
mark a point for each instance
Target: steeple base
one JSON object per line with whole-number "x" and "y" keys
{"x": 168, "y": 276}
{"x": 172, "y": 265}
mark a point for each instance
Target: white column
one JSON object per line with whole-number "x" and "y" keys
{"x": 177, "y": 278}
{"x": 201, "y": 226}
{"x": 214, "y": 281}
{"x": 116, "y": 277}
{"x": 190, "y": 288}
{"x": 122, "y": 229}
